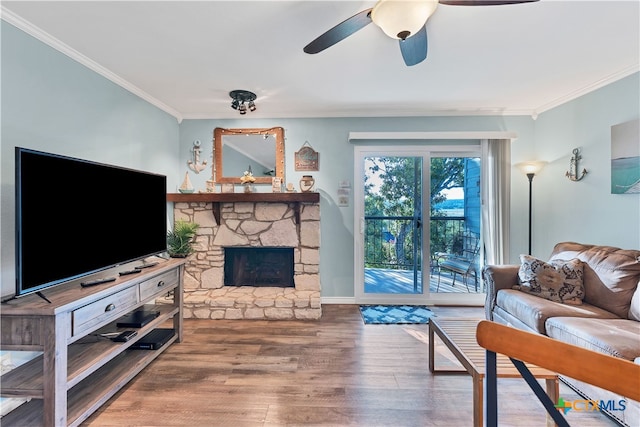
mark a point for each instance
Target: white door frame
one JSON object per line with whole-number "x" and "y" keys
{"x": 360, "y": 152}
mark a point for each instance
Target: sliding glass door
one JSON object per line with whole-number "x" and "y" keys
{"x": 417, "y": 222}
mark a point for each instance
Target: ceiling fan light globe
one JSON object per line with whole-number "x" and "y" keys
{"x": 397, "y": 17}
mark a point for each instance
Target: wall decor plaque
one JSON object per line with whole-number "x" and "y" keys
{"x": 307, "y": 159}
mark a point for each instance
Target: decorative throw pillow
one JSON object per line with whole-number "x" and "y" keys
{"x": 558, "y": 280}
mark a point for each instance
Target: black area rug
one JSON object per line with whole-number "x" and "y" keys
{"x": 395, "y": 314}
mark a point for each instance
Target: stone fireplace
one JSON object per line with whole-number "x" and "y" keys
{"x": 263, "y": 244}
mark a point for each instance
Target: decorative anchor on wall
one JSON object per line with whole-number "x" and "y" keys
{"x": 572, "y": 173}
{"x": 195, "y": 164}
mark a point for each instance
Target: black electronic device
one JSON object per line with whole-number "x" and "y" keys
{"x": 154, "y": 339}
{"x": 147, "y": 265}
{"x": 137, "y": 319}
{"x": 126, "y": 273}
{"x": 118, "y": 202}
{"x": 97, "y": 281}
{"x": 124, "y": 336}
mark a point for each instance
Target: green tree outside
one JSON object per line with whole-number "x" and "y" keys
{"x": 392, "y": 189}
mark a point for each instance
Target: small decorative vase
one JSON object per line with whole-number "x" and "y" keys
{"x": 248, "y": 187}
{"x": 306, "y": 183}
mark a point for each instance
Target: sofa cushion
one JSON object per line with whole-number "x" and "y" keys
{"x": 634, "y": 309}
{"x": 559, "y": 280}
{"x": 615, "y": 337}
{"x": 534, "y": 311}
{"x": 610, "y": 274}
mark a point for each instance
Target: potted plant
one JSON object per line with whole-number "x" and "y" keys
{"x": 180, "y": 239}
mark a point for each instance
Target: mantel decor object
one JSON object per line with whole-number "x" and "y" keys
{"x": 307, "y": 159}
{"x": 276, "y": 184}
{"x": 306, "y": 183}
{"x": 247, "y": 180}
{"x": 186, "y": 187}
{"x": 572, "y": 173}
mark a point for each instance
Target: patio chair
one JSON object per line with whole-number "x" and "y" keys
{"x": 464, "y": 264}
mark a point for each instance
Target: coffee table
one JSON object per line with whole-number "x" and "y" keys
{"x": 459, "y": 336}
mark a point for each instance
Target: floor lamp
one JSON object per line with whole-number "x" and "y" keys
{"x": 530, "y": 169}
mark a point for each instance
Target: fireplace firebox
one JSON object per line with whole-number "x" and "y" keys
{"x": 258, "y": 266}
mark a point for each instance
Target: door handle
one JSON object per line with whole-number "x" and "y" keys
{"x": 418, "y": 223}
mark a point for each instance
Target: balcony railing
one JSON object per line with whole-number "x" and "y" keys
{"x": 390, "y": 252}
{"x": 390, "y": 240}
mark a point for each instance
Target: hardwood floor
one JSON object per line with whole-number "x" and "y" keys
{"x": 332, "y": 372}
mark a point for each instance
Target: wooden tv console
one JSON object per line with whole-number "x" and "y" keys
{"x": 79, "y": 370}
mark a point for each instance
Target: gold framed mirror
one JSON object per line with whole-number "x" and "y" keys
{"x": 238, "y": 150}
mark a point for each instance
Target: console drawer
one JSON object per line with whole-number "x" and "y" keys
{"x": 104, "y": 310}
{"x": 158, "y": 284}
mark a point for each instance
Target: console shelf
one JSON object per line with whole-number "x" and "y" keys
{"x": 78, "y": 370}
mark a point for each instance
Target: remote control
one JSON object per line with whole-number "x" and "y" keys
{"x": 125, "y": 273}
{"x": 97, "y": 282}
{"x": 151, "y": 264}
{"x": 125, "y": 336}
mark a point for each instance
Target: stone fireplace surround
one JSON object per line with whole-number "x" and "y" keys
{"x": 254, "y": 224}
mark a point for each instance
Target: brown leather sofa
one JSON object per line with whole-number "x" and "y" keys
{"x": 608, "y": 320}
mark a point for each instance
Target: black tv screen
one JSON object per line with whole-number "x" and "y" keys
{"x": 76, "y": 217}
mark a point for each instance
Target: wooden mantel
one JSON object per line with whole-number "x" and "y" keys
{"x": 216, "y": 198}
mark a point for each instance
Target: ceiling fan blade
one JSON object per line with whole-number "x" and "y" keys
{"x": 340, "y": 32}
{"x": 414, "y": 48}
{"x": 483, "y": 2}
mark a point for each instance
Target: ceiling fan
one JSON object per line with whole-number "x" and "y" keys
{"x": 405, "y": 20}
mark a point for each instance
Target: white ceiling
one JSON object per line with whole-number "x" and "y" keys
{"x": 185, "y": 56}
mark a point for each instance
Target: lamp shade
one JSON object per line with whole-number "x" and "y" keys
{"x": 397, "y": 17}
{"x": 531, "y": 167}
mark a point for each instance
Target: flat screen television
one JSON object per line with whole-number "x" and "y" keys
{"x": 76, "y": 217}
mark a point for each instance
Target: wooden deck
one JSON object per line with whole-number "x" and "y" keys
{"x": 385, "y": 281}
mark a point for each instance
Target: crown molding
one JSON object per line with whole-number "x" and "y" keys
{"x": 587, "y": 89}
{"x": 26, "y": 26}
{"x": 354, "y": 136}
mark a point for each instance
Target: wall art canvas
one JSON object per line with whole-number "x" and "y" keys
{"x": 625, "y": 158}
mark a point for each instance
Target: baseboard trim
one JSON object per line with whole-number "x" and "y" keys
{"x": 338, "y": 300}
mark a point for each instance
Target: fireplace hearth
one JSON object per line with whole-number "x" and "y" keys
{"x": 258, "y": 266}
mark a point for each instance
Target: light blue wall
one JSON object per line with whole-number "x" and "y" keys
{"x": 329, "y": 137}
{"x": 583, "y": 211}
{"x": 563, "y": 210}
{"x": 51, "y": 103}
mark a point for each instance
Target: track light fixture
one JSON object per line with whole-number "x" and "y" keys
{"x": 241, "y": 99}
